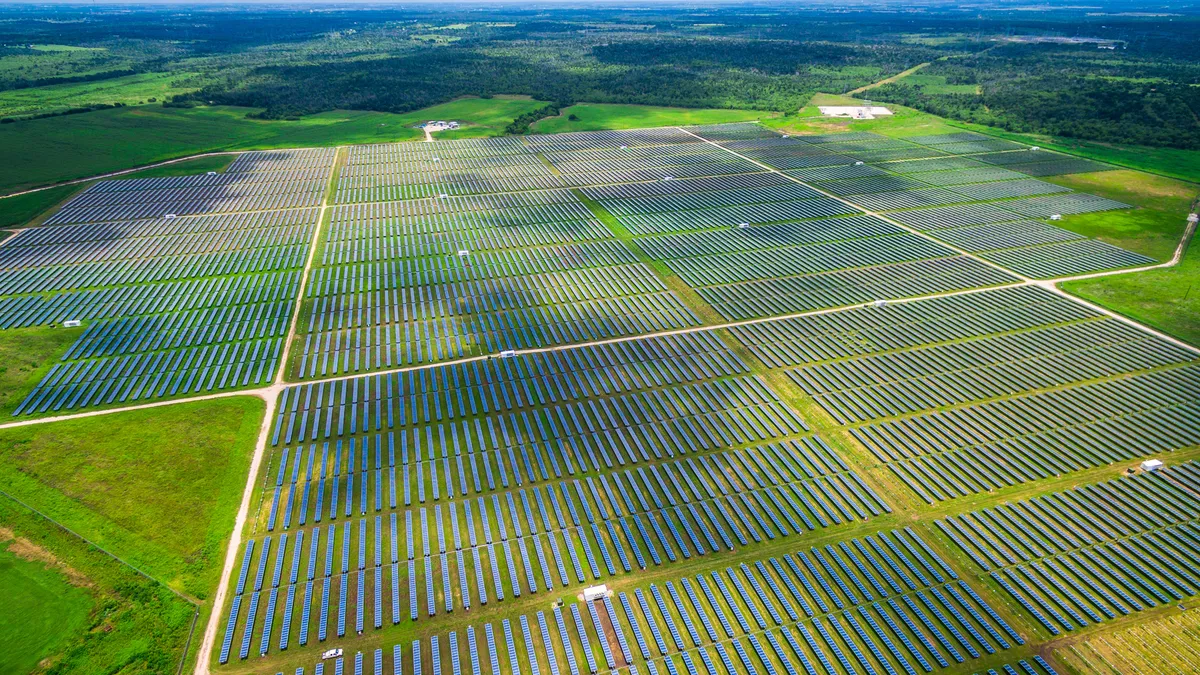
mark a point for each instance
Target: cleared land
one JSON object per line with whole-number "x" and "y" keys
{"x": 1165, "y": 645}
{"x": 131, "y": 623}
{"x": 27, "y": 355}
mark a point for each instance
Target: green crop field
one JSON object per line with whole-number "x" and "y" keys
{"x": 128, "y": 90}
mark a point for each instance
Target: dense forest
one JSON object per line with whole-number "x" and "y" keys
{"x": 1078, "y": 91}
{"x": 991, "y": 65}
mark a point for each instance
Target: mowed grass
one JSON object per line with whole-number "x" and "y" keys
{"x": 597, "y": 116}
{"x": 1167, "y": 299}
{"x": 1153, "y": 228}
{"x": 157, "y": 487}
{"x": 903, "y": 122}
{"x": 42, "y": 609}
{"x": 26, "y": 355}
{"x": 55, "y": 149}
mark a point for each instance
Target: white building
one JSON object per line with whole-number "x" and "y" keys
{"x": 860, "y": 112}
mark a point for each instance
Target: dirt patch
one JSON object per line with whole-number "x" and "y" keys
{"x": 27, "y": 550}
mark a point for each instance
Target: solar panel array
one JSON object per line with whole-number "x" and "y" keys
{"x": 921, "y": 181}
{"x": 463, "y": 485}
{"x": 394, "y": 494}
{"x": 1095, "y": 553}
{"x": 965, "y": 394}
{"x": 255, "y": 181}
{"x": 883, "y": 598}
{"x": 186, "y": 304}
{"x": 475, "y": 260}
{"x": 803, "y": 257}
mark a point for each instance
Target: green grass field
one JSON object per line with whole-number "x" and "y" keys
{"x": 132, "y": 625}
{"x": 156, "y": 487}
{"x": 1153, "y": 228}
{"x": 596, "y": 116}
{"x": 129, "y": 90}
{"x": 19, "y": 210}
{"x": 1165, "y": 298}
{"x": 26, "y": 354}
{"x": 56, "y": 149}
{"x": 42, "y": 609}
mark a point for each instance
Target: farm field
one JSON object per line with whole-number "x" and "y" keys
{"x": 129, "y": 90}
{"x": 802, "y": 402}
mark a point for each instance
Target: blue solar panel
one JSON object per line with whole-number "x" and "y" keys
{"x": 230, "y": 624}
{"x": 637, "y": 630}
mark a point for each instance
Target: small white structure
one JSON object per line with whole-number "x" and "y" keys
{"x": 331, "y": 654}
{"x": 859, "y": 163}
{"x": 1152, "y": 465}
{"x": 624, "y": 147}
{"x": 211, "y": 173}
{"x": 463, "y": 253}
{"x": 742, "y": 226}
{"x": 72, "y": 323}
{"x": 443, "y": 196}
{"x": 668, "y": 178}
{"x": 1057, "y": 216}
{"x": 1192, "y": 217}
{"x": 169, "y": 216}
{"x": 880, "y": 303}
{"x": 508, "y": 353}
{"x": 1034, "y": 148}
{"x": 439, "y": 125}
{"x": 859, "y": 112}
{"x": 436, "y": 159}
{"x": 595, "y": 593}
